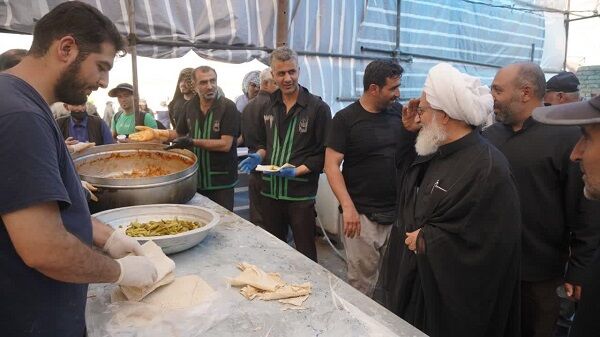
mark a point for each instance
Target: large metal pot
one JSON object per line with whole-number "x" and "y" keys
{"x": 109, "y": 167}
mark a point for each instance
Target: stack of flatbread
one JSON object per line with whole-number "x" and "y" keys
{"x": 255, "y": 283}
{"x": 168, "y": 292}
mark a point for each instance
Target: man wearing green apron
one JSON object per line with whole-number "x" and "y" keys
{"x": 294, "y": 132}
{"x": 209, "y": 126}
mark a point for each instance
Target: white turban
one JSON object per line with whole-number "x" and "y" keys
{"x": 459, "y": 95}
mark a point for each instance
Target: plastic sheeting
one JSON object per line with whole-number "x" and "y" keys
{"x": 465, "y": 31}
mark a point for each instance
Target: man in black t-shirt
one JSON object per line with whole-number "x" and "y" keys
{"x": 46, "y": 232}
{"x": 365, "y": 136}
{"x": 184, "y": 92}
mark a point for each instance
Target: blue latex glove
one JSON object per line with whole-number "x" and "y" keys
{"x": 286, "y": 172}
{"x": 249, "y": 163}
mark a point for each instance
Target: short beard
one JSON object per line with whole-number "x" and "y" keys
{"x": 590, "y": 195}
{"x": 69, "y": 88}
{"x": 430, "y": 138}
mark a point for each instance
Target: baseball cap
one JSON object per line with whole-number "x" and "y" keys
{"x": 565, "y": 81}
{"x": 123, "y": 86}
{"x": 578, "y": 113}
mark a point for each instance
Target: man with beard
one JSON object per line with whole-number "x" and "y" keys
{"x": 587, "y": 154}
{"x": 365, "y": 136}
{"x": 209, "y": 126}
{"x": 252, "y": 120}
{"x": 46, "y": 233}
{"x": 294, "y": 131}
{"x": 452, "y": 266}
{"x": 558, "y": 224}
{"x": 84, "y": 128}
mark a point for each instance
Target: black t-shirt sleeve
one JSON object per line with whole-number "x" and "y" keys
{"x": 230, "y": 124}
{"x": 30, "y": 162}
{"x": 337, "y": 137}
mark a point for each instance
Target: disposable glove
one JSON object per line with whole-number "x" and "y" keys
{"x": 181, "y": 143}
{"x": 147, "y": 134}
{"x": 80, "y": 146}
{"x": 89, "y": 190}
{"x": 136, "y": 271}
{"x": 286, "y": 172}
{"x": 119, "y": 245}
{"x": 249, "y": 163}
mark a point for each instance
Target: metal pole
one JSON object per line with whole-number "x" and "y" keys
{"x": 398, "y": 4}
{"x": 532, "y": 56}
{"x": 282, "y": 23}
{"x": 566, "y": 34}
{"x": 133, "y": 51}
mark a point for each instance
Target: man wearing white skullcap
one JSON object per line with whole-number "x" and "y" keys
{"x": 452, "y": 267}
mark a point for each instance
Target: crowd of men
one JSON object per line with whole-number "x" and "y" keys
{"x": 459, "y": 227}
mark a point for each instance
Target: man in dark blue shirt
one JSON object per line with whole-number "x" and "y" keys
{"x": 46, "y": 233}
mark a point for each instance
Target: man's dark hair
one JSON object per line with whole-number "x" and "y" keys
{"x": 379, "y": 70}
{"x": 11, "y": 58}
{"x": 87, "y": 25}
{"x": 203, "y": 69}
{"x": 530, "y": 74}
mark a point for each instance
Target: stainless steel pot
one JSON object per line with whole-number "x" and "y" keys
{"x": 101, "y": 165}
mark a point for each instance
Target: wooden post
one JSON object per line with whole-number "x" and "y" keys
{"x": 282, "y": 23}
{"x": 133, "y": 52}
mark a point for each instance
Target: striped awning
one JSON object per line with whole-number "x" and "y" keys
{"x": 335, "y": 39}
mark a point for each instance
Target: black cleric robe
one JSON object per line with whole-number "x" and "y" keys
{"x": 464, "y": 280}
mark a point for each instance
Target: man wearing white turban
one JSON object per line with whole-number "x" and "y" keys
{"x": 452, "y": 267}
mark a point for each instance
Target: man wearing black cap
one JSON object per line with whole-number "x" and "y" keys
{"x": 587, "y": 153}
{"x": 125, "y": 121}
{"x": 562, "y": 88}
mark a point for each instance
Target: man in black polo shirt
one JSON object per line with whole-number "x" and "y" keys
{"x": 365, "y": 137}
{"x": 558, "y": 223}
{"x": 294, "y": 133}
{"x": 46, "y": 233}
{"x": 209, "y": 127}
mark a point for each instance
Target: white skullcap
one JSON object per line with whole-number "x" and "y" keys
{"x": 459, "y": 95}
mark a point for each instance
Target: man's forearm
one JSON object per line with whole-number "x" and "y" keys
{"x": 75, "y": 262}
{"x": 101, "y": 232}
{"x": 338, "y": 185}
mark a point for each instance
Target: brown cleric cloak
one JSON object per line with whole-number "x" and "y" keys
{"x": 465, "y": 279}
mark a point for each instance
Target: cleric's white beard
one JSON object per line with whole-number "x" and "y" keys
{"x": 430, "y": 138}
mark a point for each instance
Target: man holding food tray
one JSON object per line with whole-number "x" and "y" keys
{"x": 209, "y": 127}
{"x": 46, "y": 233}
{"x": 293, "y": 140}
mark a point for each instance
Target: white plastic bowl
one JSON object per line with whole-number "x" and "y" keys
{"x": 120, "y": 218}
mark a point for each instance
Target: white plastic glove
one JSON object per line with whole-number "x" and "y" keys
{"x": 90, "y": 189}
{"x": 137, "y": 271}
{"x": 119, "y": 245}
{"x": 79, "y": 147}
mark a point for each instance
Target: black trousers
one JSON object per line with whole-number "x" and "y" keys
{"x": 255, "y": 198}
{"x": 539, "y": 308}
{"x": 299, "y": 215}
{"x": 222, "y": 197}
